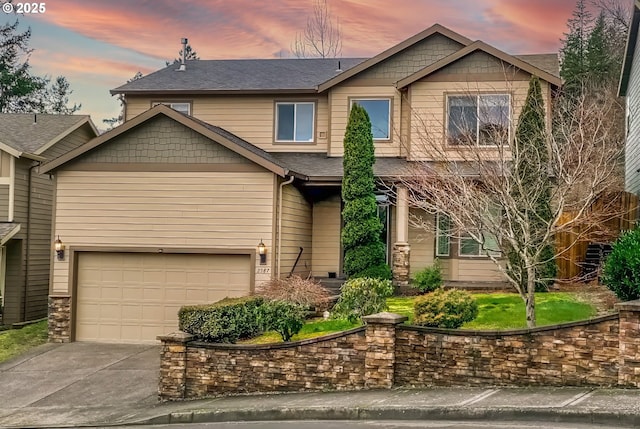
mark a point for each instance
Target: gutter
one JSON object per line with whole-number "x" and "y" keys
{"x": 279, "y": 232}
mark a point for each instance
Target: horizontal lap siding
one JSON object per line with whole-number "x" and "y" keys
{"x": 326, "y": 237}
{"x": 162, "y": 209}
{"x": 249, "y": 117}
{"x": 296, "y": 232}
{"x": 632, "y": 155}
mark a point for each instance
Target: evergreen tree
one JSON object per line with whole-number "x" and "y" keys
{"x": 364, "y": 250}
{"x": 599, "y": 64}
{"x": 190, "y": 55}
{"x": 573, "y": 67}
{"x": 532, "y": 193}
{"x": 117, "y": 120}
{"x": 57, "y": 100}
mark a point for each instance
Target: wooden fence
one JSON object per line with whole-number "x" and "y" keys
{"x": 608, "y": 216}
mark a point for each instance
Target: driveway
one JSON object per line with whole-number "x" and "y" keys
{"x": 78, "y": 383}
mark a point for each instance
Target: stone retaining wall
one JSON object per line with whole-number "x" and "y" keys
{"x": 384, "y": 354}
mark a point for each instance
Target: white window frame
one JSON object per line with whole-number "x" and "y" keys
{"x": 446, "y": 236}
{"x": 175, "y": 105}
{"x": 295, "y": 123}
{"x": 388, "y": 100}
{"x": 478, "y": 105}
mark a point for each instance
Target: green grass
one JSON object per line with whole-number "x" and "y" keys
{"x": 313, "y": 328}
{"x": 17, "y": 341}
{"x": 506, "y": 310}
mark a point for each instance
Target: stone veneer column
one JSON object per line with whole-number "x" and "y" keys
{"x": 629, "y": 335}
{"x": 173, "y": 365}
{"x": 401, "y": 249}
{"x": 380, "y": 357}
{"x": 59, "y": 319}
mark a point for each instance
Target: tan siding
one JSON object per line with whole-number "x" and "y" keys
{"x": 14, "y": 283}
{"x": 478, "y": 270}
{"x": 340, "y": 106}
{"x": 421, "y": 240}
{"x": 159, "y": 209}
{"x": 296, "y": 232}
{"x": 428, "y": 102}
{"x": 249, "y": 117}
{"x": 70, "y": 142}
{"x": 326, "y": 237}
{"x": 5, "y": 164}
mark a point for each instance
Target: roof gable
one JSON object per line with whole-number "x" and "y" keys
{"x": 32, "y": 134}
{"x": 222, "y": 137}
{"x": 483, "y": 47}
{"x": 365, "y": 65}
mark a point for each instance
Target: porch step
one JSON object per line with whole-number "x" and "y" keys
{"x": 333, "y": 285}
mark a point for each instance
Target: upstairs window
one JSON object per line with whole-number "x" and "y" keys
{"x": 379, "y": 111}
{"x": 294, "y": 122}
{"x": 478, "y": 119}
{"x": 182, "y": 107}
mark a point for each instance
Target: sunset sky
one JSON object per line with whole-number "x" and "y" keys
{"x": 99, "y": 44}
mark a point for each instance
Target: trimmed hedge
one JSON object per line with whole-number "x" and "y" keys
{"x": 224, "y": 321}
{"x": 445, "y": 309}
{"x": 362, "y": 296}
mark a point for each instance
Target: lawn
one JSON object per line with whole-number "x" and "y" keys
{"x": 498, "y": 311}
{"x": 506, "y": 310}
{"x": 16, "y": 341}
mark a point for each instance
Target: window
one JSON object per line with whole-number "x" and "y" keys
{"x": 478, "y": 119}
{"x": 489, "y": 246}
{"x": 379, "y": 111}
{"x": 181, "y": 107}
{"x": 443, "y": 235}
{"x": 294, "y": 122}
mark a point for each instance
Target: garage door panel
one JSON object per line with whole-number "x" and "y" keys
{"x": 134, "y": 297}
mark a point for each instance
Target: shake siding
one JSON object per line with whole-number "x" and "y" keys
{"x": 208, "y": 210}
{"x": 296, "y": 232}
{"x": 428, "y": 102}
{"x": 632, "y": 154}
{"x": 249, "y": 117}
{"x": 326, "y": 237}
{"x": 340, "y": 107}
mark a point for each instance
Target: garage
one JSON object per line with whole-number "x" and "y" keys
{"x": 133, "y": 297}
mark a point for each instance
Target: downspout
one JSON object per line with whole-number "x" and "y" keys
{"x": 28, "y": 244}
{"x": 279, "y": 235}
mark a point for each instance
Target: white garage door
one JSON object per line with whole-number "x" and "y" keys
{"x": 133, "y": 297}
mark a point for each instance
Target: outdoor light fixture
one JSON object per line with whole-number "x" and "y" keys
{"x": 59, "y": 246}
{"x": 262, "y": 251}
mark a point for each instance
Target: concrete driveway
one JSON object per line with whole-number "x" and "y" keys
{"x": 78, "y": 383}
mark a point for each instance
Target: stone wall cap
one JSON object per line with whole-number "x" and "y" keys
{"x": 385, "y": 318}
{"x": 629, "y": 305}
{"x": 176, "y": 337}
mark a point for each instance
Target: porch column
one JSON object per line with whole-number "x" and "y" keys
{"x": 401, "y": 249}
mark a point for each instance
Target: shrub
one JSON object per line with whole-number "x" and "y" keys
{"x": 428, "y": 279}
{"x": 361, "y": 297}
{"x": 381, "y": 271}
{"x": 445, "y": 309}
{"x": 305, "y": 292}
{"x": 286, "y": 318}
{"x": 224, "y": 321}
{"x": 621, "y": 272}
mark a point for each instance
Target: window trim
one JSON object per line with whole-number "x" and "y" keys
{"x": 169, "y": 103}
{"x": 313, "y": 103}
{"x": 390, "y": 115}
{"x": 477, "y": 95}
{"x": 446, "y": 236}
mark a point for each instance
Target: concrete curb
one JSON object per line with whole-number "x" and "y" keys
{"x": 596, "y": 417}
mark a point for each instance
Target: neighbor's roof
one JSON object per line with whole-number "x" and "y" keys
{"x": 28, "y": 133}
{"x": 630, "y": 50}
{"x": 547, "y": 62}
{"x": 202, "y": 76}
{"x": 7, "y": 231}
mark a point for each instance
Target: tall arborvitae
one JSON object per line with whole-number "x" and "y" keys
{"x": 364, "y": 254}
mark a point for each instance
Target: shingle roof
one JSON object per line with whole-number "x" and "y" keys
{"x": 547, "y": 62}
{"x": 27, "y": 132}
{"x": 242, "y": 75}
{"x": 8, "y": 230}
{"x": 318, "y": 166}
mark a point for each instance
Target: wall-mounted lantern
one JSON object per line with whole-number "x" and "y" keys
{"x": 59, "y": 246}
{"x": 262, "y": 251}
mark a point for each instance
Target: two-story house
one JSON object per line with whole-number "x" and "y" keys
{"x": 228, "y": 172}
{"x": 27, "y": 141}
{"x": 630, "y": 88}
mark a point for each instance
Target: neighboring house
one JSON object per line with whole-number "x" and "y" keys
{"x": 27, "y": 141}
{"x": 169, "y": 208}
{"x": 630, "y": 88}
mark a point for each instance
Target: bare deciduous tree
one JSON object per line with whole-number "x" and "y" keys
{"x": 322, "y": 37}
{"x": 467, "y": 175}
